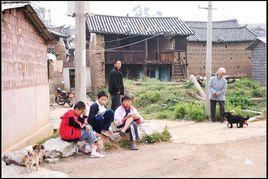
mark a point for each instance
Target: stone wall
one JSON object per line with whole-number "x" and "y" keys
{"x": 232, "y": 56}
{"x": 25, "y": 90}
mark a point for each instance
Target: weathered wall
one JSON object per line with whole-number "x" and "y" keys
{"x": 97, "y": 61}
{"x": 233, "y": 57}
{"x": 259, "y": 62}
{"x": 25, "y": 90}
{"x": 66, "y": 78}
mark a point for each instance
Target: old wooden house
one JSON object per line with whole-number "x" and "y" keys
{"x": 25, "y": 88}
{"x": 150, "y": 46}
{"x": 259, "y": 59}
{"x": 229, "y": 42}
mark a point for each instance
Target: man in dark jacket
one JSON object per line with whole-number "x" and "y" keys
{"x": 116, "y": 86}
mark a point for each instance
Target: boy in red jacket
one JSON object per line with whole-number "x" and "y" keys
{"x": 75, "y": 128}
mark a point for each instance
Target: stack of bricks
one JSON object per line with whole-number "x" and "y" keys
{"x": 24, "y": 53}
{"x": 232, "y": 56}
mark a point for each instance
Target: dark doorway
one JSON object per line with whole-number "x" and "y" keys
{"x": 72, "y": 78}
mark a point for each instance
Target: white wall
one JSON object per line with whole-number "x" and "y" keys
{"x": 88, "y": 79}
{"x": 67, "y": 80}
{"x": 24, "y": 111}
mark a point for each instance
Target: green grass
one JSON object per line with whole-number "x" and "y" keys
{"x": 156, "y": 99}
{"x": 166, "y": 100}
{"x": 158, "y": 136}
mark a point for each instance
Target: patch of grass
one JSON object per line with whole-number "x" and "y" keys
{"x": 156, "y": 99}
{"x": 124, "y": 144}
{"x": 110, "y": 146}
{"x": 190, "y": 111}
{"x": 158, "y": 136}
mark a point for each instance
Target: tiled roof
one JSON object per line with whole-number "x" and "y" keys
{"x": 12, "y": 5}
{"x": 33, "y": 16}
{"x": 137, "y": 25}
{"x": 57, "y": 33}
{"x": 255, "y": 42}
{"x": 222, "y": 31}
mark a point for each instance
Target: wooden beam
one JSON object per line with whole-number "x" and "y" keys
{"x": 197, "y": 85}
{"x": 146, "y": 50}
{"x": 158, "y": 49}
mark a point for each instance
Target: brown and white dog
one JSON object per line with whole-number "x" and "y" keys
{"x": 33, "y": 156}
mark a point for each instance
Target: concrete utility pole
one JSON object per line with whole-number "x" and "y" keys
{"x": 80, "y": 51}
{"x": 208, "y": 55}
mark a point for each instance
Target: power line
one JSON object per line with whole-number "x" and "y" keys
{"x": 114, "y": 48}
{"x": 121, "y": 38}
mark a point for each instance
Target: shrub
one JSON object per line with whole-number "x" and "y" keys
{"x": 189, "y": 84}
{"x": 158, "y": 136}
{"x": 257, "y": 93}
{"x": 163, "y": 114}
{"x": 155, "y": 137}
{"x": 180, "y": 111}
{"x": 191, "y": 111}
{"x": 247, "y": 83}
{"x": 239, "y": 98}
{"x": 165, "y": 134}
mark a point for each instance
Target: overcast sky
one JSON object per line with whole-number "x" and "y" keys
{"x": 246, "y": 12}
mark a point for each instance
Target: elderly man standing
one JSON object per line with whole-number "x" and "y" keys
{"x": 218, "y": 86}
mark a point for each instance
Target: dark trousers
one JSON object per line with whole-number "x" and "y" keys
{"x": 133, "y": 129}
{"x": 213, "y": 104}
{"x": 104, "y": 124}
{"x": 116, "y": 102}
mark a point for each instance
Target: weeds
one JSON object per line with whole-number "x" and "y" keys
{"x": 158, "y": 136}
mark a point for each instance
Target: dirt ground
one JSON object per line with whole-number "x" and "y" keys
{"x": 196, "y": 150}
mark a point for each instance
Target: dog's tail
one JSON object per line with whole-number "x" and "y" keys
{"x": 247, "y": 117}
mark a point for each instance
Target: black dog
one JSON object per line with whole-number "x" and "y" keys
{"x": 232, "y": 119}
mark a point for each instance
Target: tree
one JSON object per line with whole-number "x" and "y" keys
{"x": 140, "y": 11}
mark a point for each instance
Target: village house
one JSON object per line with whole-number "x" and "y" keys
{"x": 147, "y": 46}
{"x": 55, "y": 65}
{"x": 229, "y": 42}
{"x": 258, "y": 59}
{"x": 68, "y": 73}
{"x": 25, "y": 88}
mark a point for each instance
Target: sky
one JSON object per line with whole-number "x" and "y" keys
{"x": 246, "y": 12}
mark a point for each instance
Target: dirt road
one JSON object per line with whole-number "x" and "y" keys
{"x": 196, "y": 150}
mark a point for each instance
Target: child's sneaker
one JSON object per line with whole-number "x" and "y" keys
{"x": 95, "y": 154}
{"x": 87, "y": 148}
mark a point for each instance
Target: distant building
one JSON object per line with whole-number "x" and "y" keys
{"x": 229, "y": 41}
{"x": 55, "y": 67}
{"x": 259, "y": 59}
{"x": 25, "y": 89}
{"x": 158, "y": 47}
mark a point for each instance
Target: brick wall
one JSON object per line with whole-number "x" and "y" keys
{"x": 232, "y": 56}
{"x": 24, "y": 54}
{"x": 97, "y": 61}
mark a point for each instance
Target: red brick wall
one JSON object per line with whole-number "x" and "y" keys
{"x": 230, "y": 58}
{"x": 24, "y": 52}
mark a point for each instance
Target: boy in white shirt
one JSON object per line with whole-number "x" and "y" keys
{"x": 127, "y": 116}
